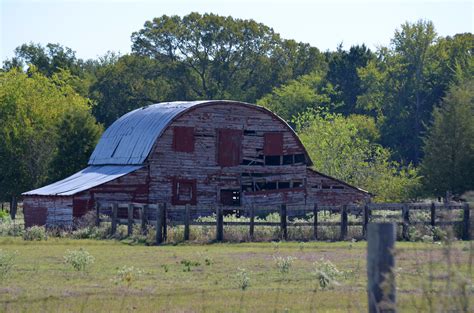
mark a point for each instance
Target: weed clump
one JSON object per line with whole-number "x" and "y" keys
{"x": 243, "y": 278}
{"x": 284, "y": 264}
{"x": 127, "y": 275}
{"x": 79, "y": 259}
{"x": 35, "y": 233}
{"x": 327, "y": 274}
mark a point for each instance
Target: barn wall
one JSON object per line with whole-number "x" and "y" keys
{"x": 132, "y": 187}
{"x": 167, "y": 164}
{"x": 35, "y": 208}
{"x": 326, "y": 191}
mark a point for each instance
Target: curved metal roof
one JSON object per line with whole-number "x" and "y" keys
{"x": 130, "y": 139}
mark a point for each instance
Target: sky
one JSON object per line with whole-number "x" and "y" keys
{"x": 91, "y": 28}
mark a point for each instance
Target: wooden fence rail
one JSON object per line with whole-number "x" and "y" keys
{"x": 159, "y": 216}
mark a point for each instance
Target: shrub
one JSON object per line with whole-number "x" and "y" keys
{"x": 327, "y": 273}
{"x": 4, "y": 215}
{"x": 79, "y": 259}
{"x": 284, "y": 264}
{"x": 127, "y": 275}
{"x": 187, "y": 264}
{"x": 35, "y": 233}
{"x": 243, "y": 278}
{"x": 11, "y": 228}
{"x": 7, "y": 261}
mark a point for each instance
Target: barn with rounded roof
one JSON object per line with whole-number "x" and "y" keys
{"x": 198, "y": 153}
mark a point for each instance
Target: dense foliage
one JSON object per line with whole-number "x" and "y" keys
{"x": 368, "y": 117}
{"x": 36, "y": 127}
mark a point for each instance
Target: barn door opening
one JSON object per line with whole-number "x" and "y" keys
{"x": 229, "y": 151}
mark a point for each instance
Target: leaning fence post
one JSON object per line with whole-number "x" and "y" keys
{"x": 380, "y": 267}
{"x": 186, "y": 222}
{"x": 283, "y": 224}
{"x": 130, "y": 219}
{"x": 97, "y": 214}
{"x": 252, "y": 223}
{"x": 114, "y": 218}
{"x": 433, "y": 214}
{"x": 466, "y": 229}
{"x": 315, "y": 221}
{"x": 344, "y": 222}
{"x": 406, "y": 221}
{"x": 366, "y": 220}
{"x": 219, "y": 224}
{"x": 159, "y": 223}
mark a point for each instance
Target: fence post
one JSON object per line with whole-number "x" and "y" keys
{"x": 165, "y": 222}
{"x": 406, "y": 221}
{"x": 433, "y": 214}
{"x": 366, "y": 220}
{"x": 114, "y": 218}
{"x": 315, "y": 222}
{"x": 219, "y": 224}
{"x": 466, "y": 229}
{"x": 344, "y": 222}
{"x": 252, "y": 221}
{"x": 186, "y": 222}
{"x": 284, "y": 230}
{"x": 380, "y": 267}
{"x": 130, "y": 219}
{"x": 97, "y": 214}
{"x": 159, "y": 224}
{"x": 144, "y": 218}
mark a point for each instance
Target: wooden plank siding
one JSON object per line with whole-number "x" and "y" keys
{"x": 267, "y": 166}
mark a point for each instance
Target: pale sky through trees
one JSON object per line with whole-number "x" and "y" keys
{"x": 92, "y": 28}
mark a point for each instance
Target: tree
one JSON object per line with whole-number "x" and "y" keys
{"x": 340, "y": 147}
{"x": 224, "y": 57}
{"x": 129, "y": 83}
{"x": 79, "y": 134}
{"x": 32, "y": 107}
{"x": 297, "y": 96}
{"x": 342, "y": 74}
{"x": 54, "y": 59}
{"x": 448, "y": 164}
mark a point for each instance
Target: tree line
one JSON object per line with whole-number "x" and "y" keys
{"x": 398, "y": 121}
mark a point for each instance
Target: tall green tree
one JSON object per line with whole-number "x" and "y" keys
{"x": 341, "y": 147}
{"x": 78, "y": 136}
{"x": 131, "y": 82}
{"x": 448, "y": 164}
{"x": 225, "y": 57}
{"x": 32, "y": 108}
{"x": 55, "y": 59}
{"x": 297, "y": 96}
{"x": 342, "y": 74}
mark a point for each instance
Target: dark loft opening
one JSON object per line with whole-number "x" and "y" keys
{"x": 299, "y": 158}
{"x": 272, "y": 160}
{"x": 230, "y": 197}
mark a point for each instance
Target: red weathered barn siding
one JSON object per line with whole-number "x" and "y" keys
{"x": 325, "y": 190}
{"x": 202, "y": 164}
{"x": 129, "y": 188}
{"x": 35, "y": 208}
{"x": 198, "y": 147}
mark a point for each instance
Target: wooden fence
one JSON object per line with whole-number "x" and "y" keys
{"x": 161, "y": 217}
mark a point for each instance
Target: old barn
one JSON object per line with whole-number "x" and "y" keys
{"x": 198, "y": 153}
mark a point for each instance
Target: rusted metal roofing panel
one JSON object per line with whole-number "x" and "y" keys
{"x": 87, "y": 178}
{"x": 130, "y": 139}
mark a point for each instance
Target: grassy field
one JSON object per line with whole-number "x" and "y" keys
{"x": 41, "y": 281}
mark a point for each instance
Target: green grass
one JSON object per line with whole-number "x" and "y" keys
{"x": 42, "y": 282}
